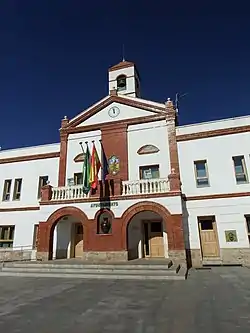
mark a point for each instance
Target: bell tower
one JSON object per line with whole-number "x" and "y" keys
{"x": 124, "y": 78}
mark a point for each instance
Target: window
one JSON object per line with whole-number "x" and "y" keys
{"x": 6, "y": 189}
{"x": 149, "y": 172}
{"x": 6, "y": 235}
{"x": 201, "y": 173}
{"x": 248, "y": 226}
{"x": 206, "y": 224}
{"x": 35, "y": 236}
{"x": 78, "y": 178}
{"x": 17, "y": 189}
{"x": 121, "y": 83}
{"x": 240, "y": 169}
{"x": 43, "y": 180}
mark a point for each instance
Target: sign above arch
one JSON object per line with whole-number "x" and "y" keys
{"x": 148, "y": 149}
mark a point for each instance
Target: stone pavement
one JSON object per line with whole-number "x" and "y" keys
{"x": 216, "y": 300}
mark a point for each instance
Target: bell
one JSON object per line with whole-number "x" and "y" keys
{"x": 121, "y": 83}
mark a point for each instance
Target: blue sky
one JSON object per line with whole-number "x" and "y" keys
{"x": 55, "y": 56}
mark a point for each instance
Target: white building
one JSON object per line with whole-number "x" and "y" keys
{"x": 172, "y": 191}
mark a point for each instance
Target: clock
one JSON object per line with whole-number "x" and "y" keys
{"x": 114, "y": 112}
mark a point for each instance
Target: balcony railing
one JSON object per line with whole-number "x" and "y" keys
{"x": 113, "y": 187}
{"x": 145, "y": 186}
{"x": 128, "y": 187}
{"x": 68, "y": 192}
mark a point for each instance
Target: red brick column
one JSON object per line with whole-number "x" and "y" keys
{"x": 174, "y": 181}
{"x": 63, "y": 152}
{"x": 171, "y": 128}
{"x": 46, "y": 193}
{"x": 43, "y": 242}
{"x": 114, "y": 140}
{"x": 175, "y": 233}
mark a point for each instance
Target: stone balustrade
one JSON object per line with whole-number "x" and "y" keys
{"x": 113, "y": 187}
{"x": 145, "y": 186}
{"x": 68, "y": 192}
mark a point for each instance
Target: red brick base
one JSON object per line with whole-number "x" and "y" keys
{"x": 117, "y": 240}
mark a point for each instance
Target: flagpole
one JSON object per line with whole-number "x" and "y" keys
{"x": 104, "y": 163}
{"x": 80, "y": 143}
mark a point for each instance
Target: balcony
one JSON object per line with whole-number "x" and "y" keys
{"x": 68, "y": 192}
{"x": 113, "y": 187}
{"x": 145, "y": 186}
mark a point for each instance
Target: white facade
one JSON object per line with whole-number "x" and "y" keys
{"x": 74, "y": 148}
{"x": 145, "y": 134}
{"x": 218, "y": 152}
{"x": 222, "y": 197}
{"x": 29, "y": 172}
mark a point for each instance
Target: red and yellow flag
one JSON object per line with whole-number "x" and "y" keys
{"x": 95, "y": 165}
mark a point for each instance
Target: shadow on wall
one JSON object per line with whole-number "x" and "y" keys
{"x": 63, "y": 238}
{"x": 186, "y": 231}
{"x": 134, "y": 237}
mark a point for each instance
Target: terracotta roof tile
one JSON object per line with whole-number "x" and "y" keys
{"x": 122, "y": 64}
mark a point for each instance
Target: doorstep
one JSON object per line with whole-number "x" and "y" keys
{"x": 212, "y": 261}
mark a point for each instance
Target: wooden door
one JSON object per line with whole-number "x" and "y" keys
{"x": 156, "y": 239}
{"x": 78, "y": 240}
{"x": 208, "y": 237}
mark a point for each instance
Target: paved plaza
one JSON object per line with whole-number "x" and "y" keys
{"x": 216, "y": 300}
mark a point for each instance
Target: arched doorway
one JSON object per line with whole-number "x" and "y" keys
{"x": 68, "y": 238}
{"x": 66, "y": 229}
{"x": 145, "y": 230}
{"x": 147, "y": 236}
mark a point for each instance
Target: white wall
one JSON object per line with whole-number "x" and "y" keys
{"x": 213, "y": 125}
{"x": 30, "y": 172}
{"x": 229, "y": 214}
{"x": 33, "y": 150}
{"x": 63, "y": 238}
{"x": 218, "y": 151}
{"x": 74, "y": 149}
{"x": 135, "y": 237}
{"x": 24, "y": 226}
{"x": 154, "y": 133}
{"x": 173, "y": 204}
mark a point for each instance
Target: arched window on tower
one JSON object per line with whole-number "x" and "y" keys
{"x": 121, "y": 82}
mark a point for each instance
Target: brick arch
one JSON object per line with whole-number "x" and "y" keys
{"x": 145, "y": 206}
{"x": 65, "y": 211}
{"x": 54, "y": 219}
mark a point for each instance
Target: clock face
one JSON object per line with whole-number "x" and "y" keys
{"x": 114, "y": 112}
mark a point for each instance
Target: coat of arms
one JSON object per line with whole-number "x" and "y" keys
{"x": 114, "y": 165}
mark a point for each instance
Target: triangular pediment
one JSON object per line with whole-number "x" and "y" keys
{"x": 116, "y": 108}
